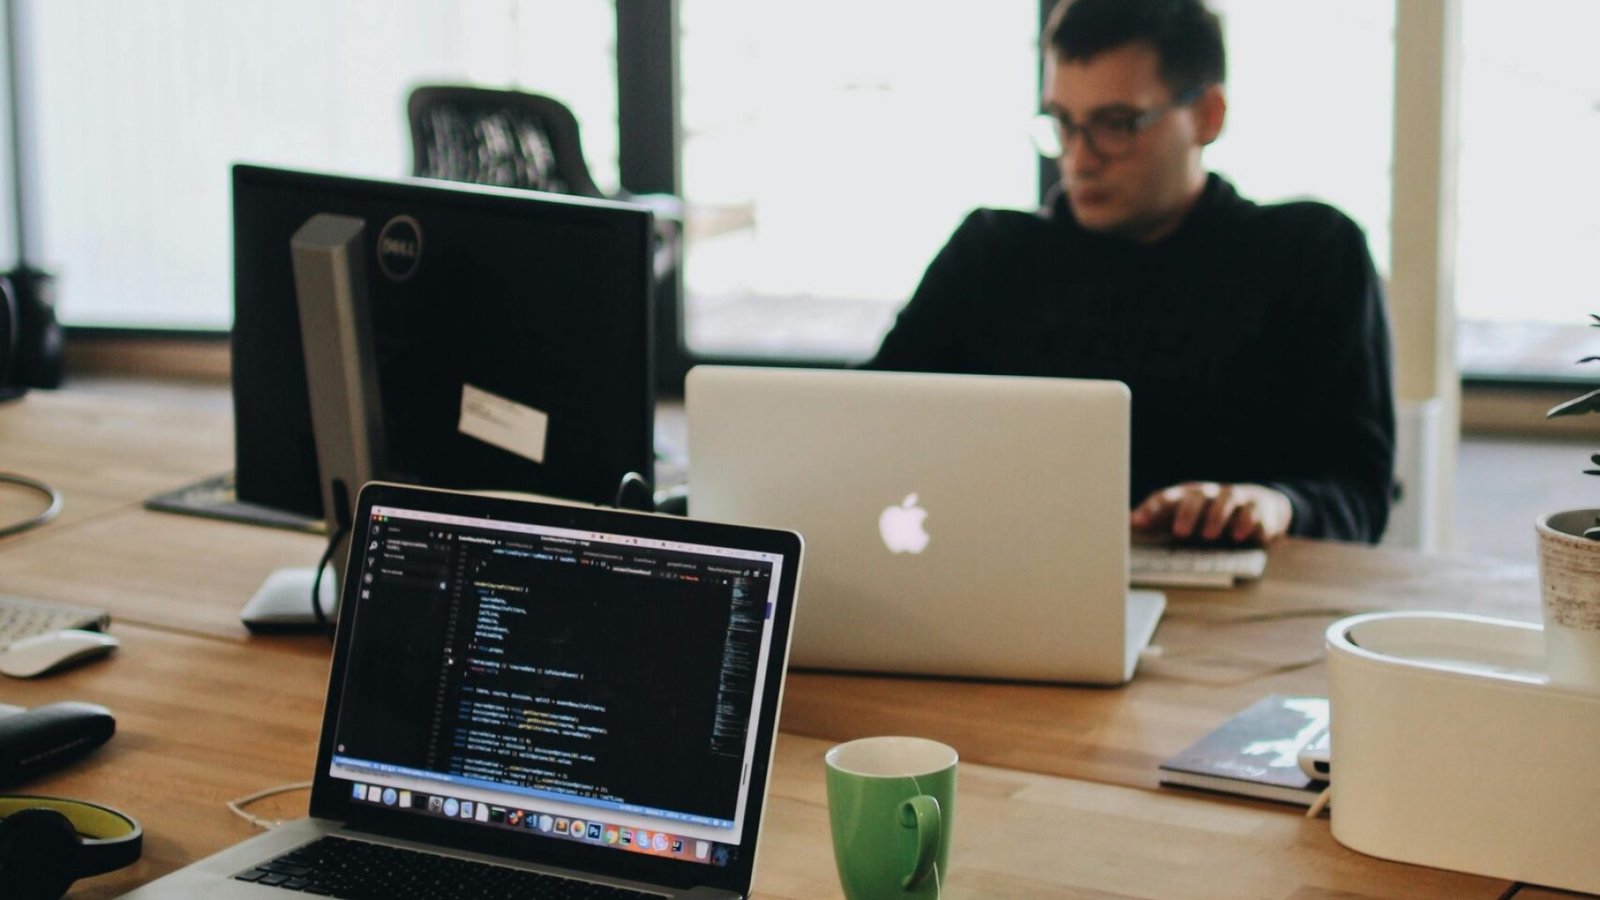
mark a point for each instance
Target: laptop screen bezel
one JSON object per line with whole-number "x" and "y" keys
{"x": 330, "y": 797}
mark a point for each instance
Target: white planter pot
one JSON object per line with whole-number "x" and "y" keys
{"x": 1569, "y": 585}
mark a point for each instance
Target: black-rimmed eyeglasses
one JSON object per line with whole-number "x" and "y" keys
{"x": 1107, "y": 135}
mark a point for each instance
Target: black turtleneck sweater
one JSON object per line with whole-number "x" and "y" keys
{"x": 1253, "y": 339}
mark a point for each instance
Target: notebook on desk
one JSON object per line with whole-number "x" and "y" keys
{"x": 526, "y": 695}
{"x": 955, "y": 524}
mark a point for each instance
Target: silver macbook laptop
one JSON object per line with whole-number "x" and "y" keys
{"x": 525, "y": 695}
{"x": 955, "y": 524}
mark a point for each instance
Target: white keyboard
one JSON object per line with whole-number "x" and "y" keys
{"x": 1163, "y": 565}
{"x": 20, "y": 618}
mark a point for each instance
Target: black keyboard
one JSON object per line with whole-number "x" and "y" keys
{"x": 357, "y": 870}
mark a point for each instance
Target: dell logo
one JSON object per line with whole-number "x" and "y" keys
{"x": 400, "y": 248}
{"x": 393, "y": 246}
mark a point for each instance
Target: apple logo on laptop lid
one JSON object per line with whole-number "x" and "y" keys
{"x": 901, "y": 526}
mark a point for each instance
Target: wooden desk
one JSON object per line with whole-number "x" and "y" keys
{"x": 190, "y": 574}
{"x": 1219, "y": 652}
{"x": 107, "y": 454}
{"x": 202, "y": 721}
{"x": 1057, "y": 794}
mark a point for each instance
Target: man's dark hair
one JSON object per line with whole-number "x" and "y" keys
{"x": 1184, "y": 33}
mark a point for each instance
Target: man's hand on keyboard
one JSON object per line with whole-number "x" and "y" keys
{"x": 1211, "y": 512}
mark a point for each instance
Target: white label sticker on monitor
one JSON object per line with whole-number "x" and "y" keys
{"x": 506, "y": 424}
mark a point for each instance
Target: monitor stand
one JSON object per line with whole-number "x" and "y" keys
{"x": 330, "y": 285}
{"x": 217, "y": 497}
{"x": 283, "y": 602}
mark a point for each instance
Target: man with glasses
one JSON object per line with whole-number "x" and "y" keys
{"x": 1253, "y": 337}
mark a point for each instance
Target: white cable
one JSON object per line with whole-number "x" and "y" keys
{"x": 237, "y": 804}
{"x": 50, "y": 493}
{"x": 1218, "y": 615}
{"x": 1321, "y": 803}
{"x": 1162, "y": 663}
{"x": 1221, "y": 614}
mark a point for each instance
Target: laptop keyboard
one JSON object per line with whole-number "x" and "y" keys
{"x": 1162, "y": 565}
{"x": 338, "y": 867}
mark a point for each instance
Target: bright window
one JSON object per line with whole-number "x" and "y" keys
{"x": 1311, "y": 106}
{"x": 828, "y": 156}
{"x": 827, "y": 152}
{"x": 141, "y": 107}
{"x": 830, "y": 148}
{"x": 1529, "y": 224}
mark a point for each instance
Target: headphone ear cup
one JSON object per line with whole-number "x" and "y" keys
{"x": 8, "y": 331}
{"x": 38, "y": 854}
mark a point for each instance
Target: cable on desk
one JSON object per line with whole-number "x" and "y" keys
{"x": 237, "y": 804}
{"x": 50, "y": 493}
{"x": 1320, "y": 804}
{"x": 634, "y": 492}
{"x": 316, "y": 582}
{"x": 1260, "y": 665}
{"x": 1221, "y": 614}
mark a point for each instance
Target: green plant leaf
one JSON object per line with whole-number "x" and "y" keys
{"x": 1588, "y": 403}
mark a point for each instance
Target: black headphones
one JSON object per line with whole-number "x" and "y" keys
{"x": 8, "y": 340}
{"x": 47, "y": 843}
{"x": 30, "y": 335}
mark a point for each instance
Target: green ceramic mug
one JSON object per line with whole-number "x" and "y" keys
{"x": 891, "y": 804}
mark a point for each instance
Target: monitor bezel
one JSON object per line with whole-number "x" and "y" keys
{"x": 290, "y": 447}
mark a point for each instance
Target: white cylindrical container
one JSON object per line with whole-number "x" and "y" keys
{"x": 1450, "y": 748}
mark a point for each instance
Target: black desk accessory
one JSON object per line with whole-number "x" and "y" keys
{"x": 47, "y": 843}
{"x": 38, "y": 740}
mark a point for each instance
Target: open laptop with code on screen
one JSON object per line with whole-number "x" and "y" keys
{"x": 966, "y": 525}
{"x": 530, "y": 699}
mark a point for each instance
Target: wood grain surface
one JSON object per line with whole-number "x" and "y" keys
{"x": 1058, "y": 794}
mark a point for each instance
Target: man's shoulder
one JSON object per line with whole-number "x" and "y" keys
{"x": 1001, "y": 234}
{"x": 1299, "y": 218}
{"x": 1004, "y": 222}
{"x": 1282, "y": 245}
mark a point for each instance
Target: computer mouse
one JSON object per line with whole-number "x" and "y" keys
{"x": 43, "y": 653}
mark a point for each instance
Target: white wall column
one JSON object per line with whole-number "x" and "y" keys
{"x": 1422, "y": 264}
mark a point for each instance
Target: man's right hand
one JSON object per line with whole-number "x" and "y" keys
{"x": 1215, "y": 512}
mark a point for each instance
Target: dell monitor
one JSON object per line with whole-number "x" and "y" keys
{"x": 511, "y": 332}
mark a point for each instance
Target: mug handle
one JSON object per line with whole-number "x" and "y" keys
{"x": 922, "y": 813}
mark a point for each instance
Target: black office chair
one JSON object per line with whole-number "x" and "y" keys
{"x": 521, "y": 140}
